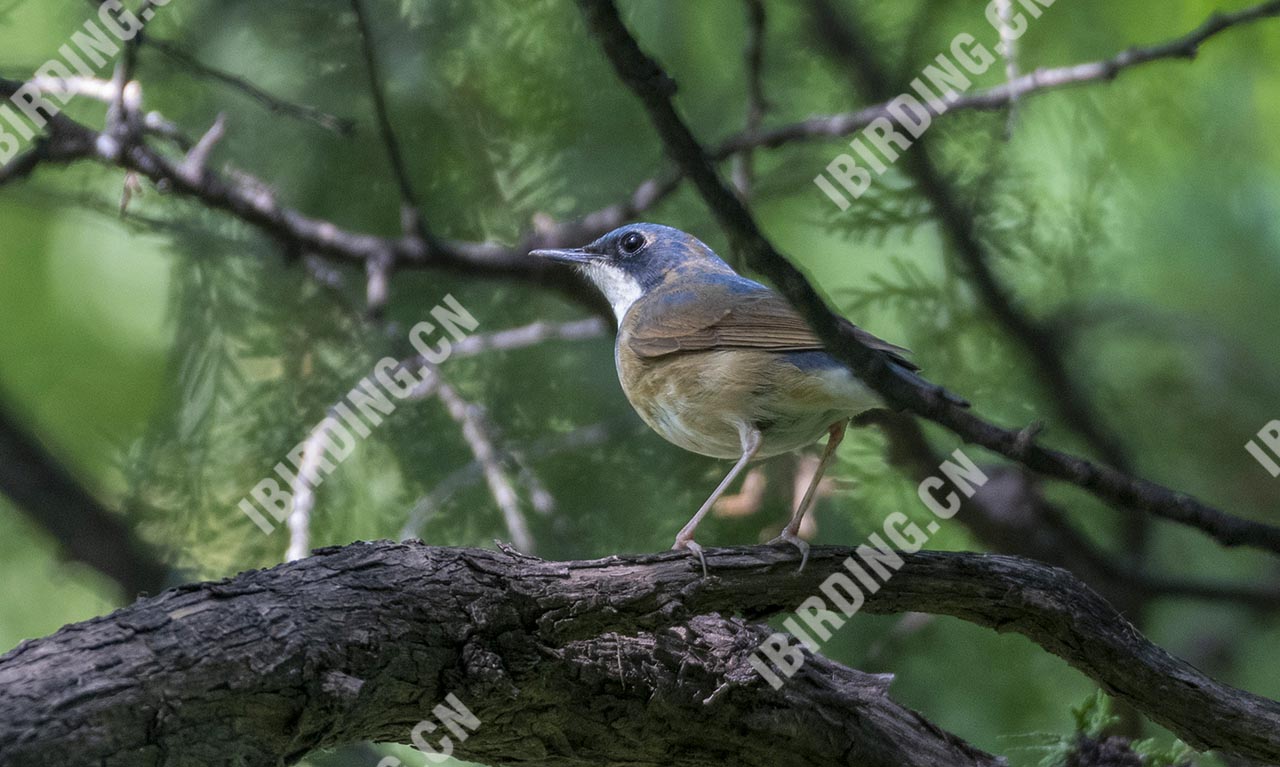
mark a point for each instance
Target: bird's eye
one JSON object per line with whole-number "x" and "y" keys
{"x": 632, "y": 242}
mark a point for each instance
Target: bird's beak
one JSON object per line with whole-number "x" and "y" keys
{"x": 568, "y": 256}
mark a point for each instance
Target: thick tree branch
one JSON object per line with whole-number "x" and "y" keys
{"x": 570, "y": 663}
{"x": 655, "y": 89}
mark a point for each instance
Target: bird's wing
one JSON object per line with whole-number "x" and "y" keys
{"x": 732, "y": 318}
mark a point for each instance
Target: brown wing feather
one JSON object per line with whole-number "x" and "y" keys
{"x": 729, "y": 320}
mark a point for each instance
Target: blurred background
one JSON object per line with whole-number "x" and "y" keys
{"x": 171, "y": 356}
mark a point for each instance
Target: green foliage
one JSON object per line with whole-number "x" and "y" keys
{"x": 1094, "y": 716}
{"x": 1093, "y": 719}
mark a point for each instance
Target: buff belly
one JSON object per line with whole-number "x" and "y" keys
{"x": 703, "y": 401}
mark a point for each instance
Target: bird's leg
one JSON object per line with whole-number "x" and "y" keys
{"x": 790, "y": 533}
{"x": 751, "y": 439}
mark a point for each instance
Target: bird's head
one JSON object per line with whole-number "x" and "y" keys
{"x": 632, "y": 260}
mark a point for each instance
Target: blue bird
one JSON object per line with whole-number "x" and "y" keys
{"x": 718, "y": 364}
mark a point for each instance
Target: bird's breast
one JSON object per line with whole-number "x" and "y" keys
{"x": 702, "y": 401}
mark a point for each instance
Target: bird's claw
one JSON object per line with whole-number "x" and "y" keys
{"x": 789, "y": 537}
{"x": 692, "y": 547}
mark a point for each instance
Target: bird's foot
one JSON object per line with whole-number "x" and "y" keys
{"x": 693, "y": 547}
{"x": 789, "y": 537}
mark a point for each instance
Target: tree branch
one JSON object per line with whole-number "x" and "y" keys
{"x": 340, "y": 125}
{"x": 753, "y": 58}
{"x": 483, "y": 447}
{"x": 411, "y": 219}
{"x": 87, "y": 531}
{"x": 1009, "y": 515}
{"x": 1039, "y": 81}
{"x": 567, "y": 663}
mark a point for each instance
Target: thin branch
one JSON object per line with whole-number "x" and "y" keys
{"x": 412, "y": 221}
{"x": 654, "y": 89}
{"x": 274, "y": 104}
{"x": 1000, "y": 96}
{"x": 1009, "y": 52}
{"x": 754, "y": 65}
{"x": 252, "y": 201}
{"x": 123, "y": 121}
{"x": 473, "y": 472}
{"x": 303, "y": 491}
{"x": 1011, "y": 516}
{"x": 530, "y": 335}
{"x": 491, "y": 462}
{"x": 483, "y": 447}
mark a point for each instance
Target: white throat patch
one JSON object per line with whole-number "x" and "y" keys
{"x": 619, "y": 289}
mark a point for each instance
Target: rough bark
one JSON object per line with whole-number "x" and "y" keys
{"x": 362, "y": 642}
{"x": 627, "y": 659}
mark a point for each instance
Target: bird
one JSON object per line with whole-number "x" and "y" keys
{"x": 719, "y": 364}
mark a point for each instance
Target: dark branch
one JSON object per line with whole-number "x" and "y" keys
{"x": 361, "y": 642}
{"x": 412, "y": 221}
{"x": 340, "y": 125}
{"x": 88, "y": 532}
{"x": 568, "y": 663}
{"x": 1010, "y": 515}
{"x": 754, "y": 66}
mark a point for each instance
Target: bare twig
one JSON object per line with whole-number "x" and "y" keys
{"x": 412, "y": 221}
{"x": 339, "y": 125}
{"x": 468, "y": 418}
{"x": 1008, "y": 49}
{"x": 1000, "y": 96}
{"x": 530, "y": 335}
{"x": 197, "y": 159}
{"x": 304, "y": 491}
{"x": 754, "y": 65}
{"x": 473, "y": 472}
